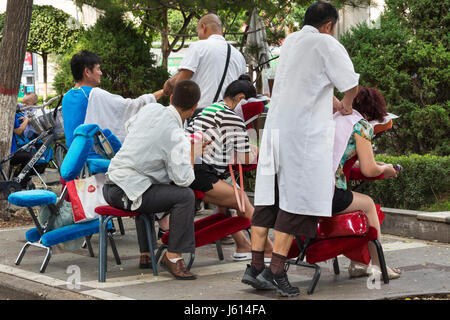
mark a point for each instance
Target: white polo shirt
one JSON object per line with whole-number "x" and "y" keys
{"x": 206, "y": 59}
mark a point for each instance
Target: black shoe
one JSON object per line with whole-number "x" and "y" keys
{"x": 278, "y": 282}
{"x": 161, "y": 233}
{"x": 250, "y": 278}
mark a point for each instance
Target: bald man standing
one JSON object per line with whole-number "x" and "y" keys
{"x": 204, "y": 63}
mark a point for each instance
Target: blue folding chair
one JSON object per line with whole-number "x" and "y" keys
{"x": 89, "y": 136}
{"x": 45, "y": 236}
{"x": 103, "y": 145}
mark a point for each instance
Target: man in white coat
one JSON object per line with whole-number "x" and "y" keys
{"x": 294, "y": 181}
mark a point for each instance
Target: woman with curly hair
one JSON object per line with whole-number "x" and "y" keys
{"x": 354, "y": 136}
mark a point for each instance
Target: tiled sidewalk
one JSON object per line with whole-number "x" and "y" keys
{"x": 425, "y": 265}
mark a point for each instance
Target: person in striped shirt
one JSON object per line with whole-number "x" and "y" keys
{"x": 230, "y": 144}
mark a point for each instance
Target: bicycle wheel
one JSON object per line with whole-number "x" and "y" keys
{"x": 60, "y": 153}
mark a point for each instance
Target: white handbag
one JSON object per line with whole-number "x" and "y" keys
{"x": 85, "y": 195}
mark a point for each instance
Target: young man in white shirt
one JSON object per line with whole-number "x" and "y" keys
{"x": 152, "y": 172}
{"x": 294, "y": 181}
{"x": 205, "y": 60}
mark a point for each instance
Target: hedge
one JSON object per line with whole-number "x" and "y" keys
{"x": 424, "y": 180}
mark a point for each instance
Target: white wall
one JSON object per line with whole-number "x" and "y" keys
{"x": 351, "y": 16}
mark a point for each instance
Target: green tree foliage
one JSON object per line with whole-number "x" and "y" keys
{"x": 408, "y": 60}
{"x": 52, "y": 31}
{"x": 176, "y": 21}
{"x": 128, "y": 66}
{"x": 2, "y": 21}
{"x": 429, "y": 19}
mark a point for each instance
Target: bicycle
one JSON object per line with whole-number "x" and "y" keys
{"x": 50, "y": 130}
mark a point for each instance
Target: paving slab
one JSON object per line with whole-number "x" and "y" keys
{"x": 425, "y": 266}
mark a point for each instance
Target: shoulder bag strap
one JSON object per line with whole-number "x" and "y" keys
{"x": 240, "y": 201}
{"x": 224, "y": 73}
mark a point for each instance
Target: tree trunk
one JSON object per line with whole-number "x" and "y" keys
{"x": 44, "y": 65}
{"x": 165, "y": 39}
{"x": 12, "y": 53}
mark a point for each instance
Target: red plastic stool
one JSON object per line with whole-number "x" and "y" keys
{"x": 344, "y": 234}
{"x": 107, "y": 213}
{"x": 209, "y": 230}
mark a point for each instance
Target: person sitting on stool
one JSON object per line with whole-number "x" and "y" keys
{"x": 152, "y": 172}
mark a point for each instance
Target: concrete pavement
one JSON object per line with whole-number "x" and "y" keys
{"x": 73, "y": 275}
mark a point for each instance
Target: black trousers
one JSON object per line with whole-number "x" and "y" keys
{"x": 179, "y": 201}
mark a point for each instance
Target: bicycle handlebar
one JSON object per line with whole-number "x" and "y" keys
{"x": 41, "y": 106}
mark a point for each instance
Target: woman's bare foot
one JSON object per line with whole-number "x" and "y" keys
{"x": 393, "y": 273}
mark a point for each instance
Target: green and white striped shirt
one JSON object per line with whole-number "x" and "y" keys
{"x": 226, "y": 130}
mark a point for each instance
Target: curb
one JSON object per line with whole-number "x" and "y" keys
{"x": 37, "y": 290}
{"x": 430, "y": 226}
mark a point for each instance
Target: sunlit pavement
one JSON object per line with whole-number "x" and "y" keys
{"x": 425, "y": 266}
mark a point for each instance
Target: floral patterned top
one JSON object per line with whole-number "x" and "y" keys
{"x": 365, "y": 130}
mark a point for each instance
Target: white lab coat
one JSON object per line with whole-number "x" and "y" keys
{"x": 111, "y": 111}
{"x": 297, "y": 143}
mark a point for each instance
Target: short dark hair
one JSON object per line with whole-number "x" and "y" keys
{"x": 319, "y": 13}
{"x": 370, "y": 103}
{"x": 242, "y": 85}
{"x": 80, "y": 61}
{"x": 186, "y": 94}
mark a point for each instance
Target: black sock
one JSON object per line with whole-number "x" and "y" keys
{"x": 277, "y": 263}
{"x": 258, "y": 260}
